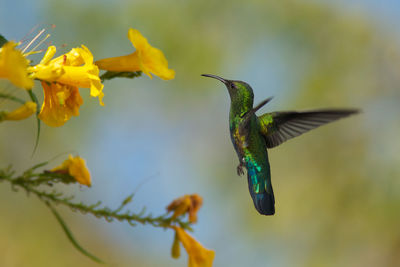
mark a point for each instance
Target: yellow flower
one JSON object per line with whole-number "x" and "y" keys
{"x": 199, "y": 256}
{"x": 75, "y": 167}
{"x": 188, "y": 203}
{"x": 20, "y": 113}
{"x": 75, "y": 68}
{"x": 60, "y": 103}
{"x": 146, "y": 58}
{"x": 13, "y": 66}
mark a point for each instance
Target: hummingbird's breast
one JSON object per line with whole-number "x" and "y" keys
{"x": 242, "y": 137}
{"x": 238, "y": 140}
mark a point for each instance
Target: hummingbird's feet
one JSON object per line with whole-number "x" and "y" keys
{"x": 239, "y": 169}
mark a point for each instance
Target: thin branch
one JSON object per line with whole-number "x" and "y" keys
{"x": 30, "y": 182}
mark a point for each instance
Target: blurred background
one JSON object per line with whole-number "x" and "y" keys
{"x": 337, "y": 188}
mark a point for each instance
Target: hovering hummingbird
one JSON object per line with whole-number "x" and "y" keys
{"x": 252, "y": 135}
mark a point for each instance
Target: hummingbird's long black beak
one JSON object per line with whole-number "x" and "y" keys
{"x": 216, "y": 77}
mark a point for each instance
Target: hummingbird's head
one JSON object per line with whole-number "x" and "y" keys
{"x": 239, "y": 91}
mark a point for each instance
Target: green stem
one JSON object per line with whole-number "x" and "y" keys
{"x": 105, "y": 212}
{"x": 34, "y": 99}
{"x": 13, "y": 98}
{"x": 108, "y": 75}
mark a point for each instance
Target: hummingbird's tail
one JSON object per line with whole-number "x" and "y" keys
{"x": 264, "y": 203}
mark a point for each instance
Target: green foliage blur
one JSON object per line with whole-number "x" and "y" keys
{"x": 337, "y": 188}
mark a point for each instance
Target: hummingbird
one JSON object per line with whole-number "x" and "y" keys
{"x": 253, "y": 135}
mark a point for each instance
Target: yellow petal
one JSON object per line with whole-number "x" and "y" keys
{"x": 138, "y": 40}
{"x": 76, "y": 76}
{"x": 48, "y": 73}
{"x": 79, "y": 171}
{"x": 199, "y": 256}
{"x": 72, "y": 58}
{"x": 44, "y": 70}
{"x": 84, "y": 77}
{"x": 14, "y": 66}
{"x": 59, "y": 104}
{"x": 20, "y": 113}
{"x": 76, "y": 167}
{"x": 50, "y": 52}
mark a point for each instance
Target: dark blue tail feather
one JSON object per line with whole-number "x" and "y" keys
{"x": 263, "y": 202}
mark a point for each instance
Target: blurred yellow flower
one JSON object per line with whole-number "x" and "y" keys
{"x": 74, "y": 68}
{"x": 188, "y": 203}
{"x": 75, "y": 167}
{"x": 20, "y": 113}
{"x": 60, "y": 103}
{"x": 14, "y": 66}
{"x": 199, "y": 256}
{"x": 146, "y": 58}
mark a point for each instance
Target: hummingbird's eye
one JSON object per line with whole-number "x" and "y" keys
{"x": 233, "y": 86}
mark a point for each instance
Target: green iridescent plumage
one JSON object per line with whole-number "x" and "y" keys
{"x": 252, "y": 135}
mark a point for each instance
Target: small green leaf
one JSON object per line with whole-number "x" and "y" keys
{"x": 2, "y": 40}
{"x": 71, "y": 237}
{"x": 128, "y": 199}
{"x": 108, "y": 75}
{"x": 34, "y": 167}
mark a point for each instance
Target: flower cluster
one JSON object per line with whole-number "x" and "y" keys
{"x": 61, "y": 77}
{"x": 187, "y": 204}
{"x": 199, "y": 256}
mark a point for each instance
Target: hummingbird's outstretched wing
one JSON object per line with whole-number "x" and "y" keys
{"x": 278, "y": 127}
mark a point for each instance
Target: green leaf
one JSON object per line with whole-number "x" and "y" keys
{"x": 71, "y": 237}
{"x": 108, "y": 75}
{"x": 2, "y": 40}
{"x": 34, "y": 99}
{"x": 34, "y": 167}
